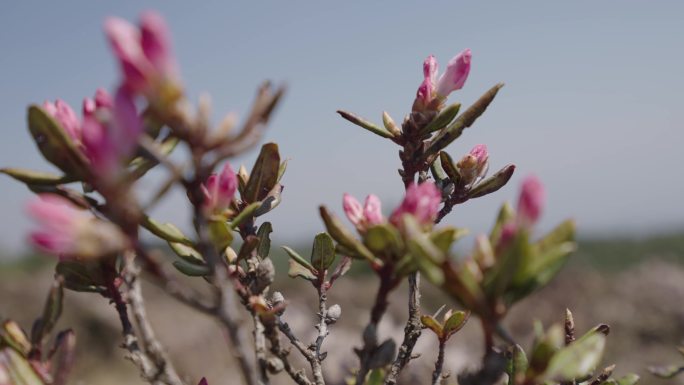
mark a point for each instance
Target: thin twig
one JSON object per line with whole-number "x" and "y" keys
{"x": 322, "y": 326}
{"x": 165, "y": 371}
{"x": 412, "y": 331}
{"x": 437, "y": 375}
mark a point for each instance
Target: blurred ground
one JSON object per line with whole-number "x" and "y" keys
{"x": 635, "y": 286}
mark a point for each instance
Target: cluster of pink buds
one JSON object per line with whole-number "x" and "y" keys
{"x": 108, "y": 133}
{"x": 421, "y": 201}
{"x": 219, "y": 190}
{"x": 145, "y": 57}
{"x": 71, "y": 232}
{"x": 432, "y": 89}
{"x": 363, "y": 217}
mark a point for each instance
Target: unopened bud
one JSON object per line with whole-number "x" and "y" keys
{"x": 334, "y": 313}
{"x": 474, "y": 165}
{"x": 390, "y": 125}
{"x": 275, "y": 365}
{"x": 265, "y": 274}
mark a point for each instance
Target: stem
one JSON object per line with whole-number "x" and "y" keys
{"x": 370, "y": 333}
{"x": 163, "y": 371}
{"x": 322, "y": 326}
{"x": 437, "y": 374}
{"x": 412, "y": 331}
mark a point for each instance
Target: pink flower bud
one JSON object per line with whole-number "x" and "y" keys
{"x": 474, "y": 165}
{"x": 426, "y": 91}
{"x": 68, "y": 231}
{"x": 422, "y": 201}
{"x": 66, "y": 117}
{"x": 219, "y": 190}
{"x": 372, "y": 210}
{"x": 144, "y": 54}
{"x": 455, "y": 75}
{"x": 531, "y": 201}
{"x": 203, "y": 381}
{"x": 352, "y": 209}
{"x": 110, "y": 131}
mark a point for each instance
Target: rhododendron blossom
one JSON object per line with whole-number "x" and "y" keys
{"x": 531, "y": 201}
{"x": 363, "y": 216}
{"x": 421, "y": 201}
{"x": 144, "y": 55}
{"x": 71, "y": 232}
{"x": 451, "y": 80}
{"x": 219, "y": 190}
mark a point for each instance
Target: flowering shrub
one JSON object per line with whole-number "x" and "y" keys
{"x": 89, "y": 218}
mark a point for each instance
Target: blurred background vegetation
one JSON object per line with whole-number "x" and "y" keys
{"x": 634, "y": 285}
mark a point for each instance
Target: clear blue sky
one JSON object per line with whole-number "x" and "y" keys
{"x": 592, "y": 102}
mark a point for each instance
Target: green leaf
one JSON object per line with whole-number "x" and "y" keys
{"x": 264, "y": 247}
{"x": 18, "y": 369}
{"x": 383, "y": 239}
{"x": 36, "y": 177}
{"x": 363, "y": 123}
{"x": 493, "y": 183}
{"x": 577, "y": 359}
{"x": 165, "y": 231}
{"x": 323, "y": 252}
{"x": 383, "y": 354}
{"x": 54, "y": 143}
{"x": 449, "y": 167}
{"x": 298, "y": 258}
{"x": 220, "y": 234}
{"x": 437, "y": 170}
{"x": 498, "y": 279}
{"x": 376, "y": 377}
{"x": 440, "y": 121}
{"x": 245, "y": 214}
{"x": 465, "y": 120}
{"x": 629, "y": 379}
{"x": 517, "y": 364}
{"x": 188, "y": 253}
{"x": 281, "y": 169}
{"x": 271, "y": 201}
{"x": 191, "y": 269}
{"x": 565, "y": 232}
{"x": 445, "y": 237}
{"x": 296, "y": 269}
{"x": 506, "y": 214}
{"x": 51, "y": 312}
{"x": 455, "y": 322}
{"x": 264, "y": 174}
{"x": 14, "y": 336}
{"x": 666, "y": 371}
{"x": 81, "y": 276}
{"x": 429, "y": 322}
{"x": 141, "y": 165}
{"x": 343, "y": 236}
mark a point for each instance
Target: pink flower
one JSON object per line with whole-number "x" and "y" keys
{"x": 422, "y": 201}
{"x": 531, "y": 201}
{"x": 219, "y": 190}
{"x": 68, "y": 231}
{"x": 474, "y": 165}
{"x": 453, "y": 79}
{"x": 363, "y": 217}
{"x": 455, "y": 75}
{"x": 66, "y": 117}
{"x": 111, "y": 129}
{"x": 426, "y": 90}
{"x": 144, "y": 54}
